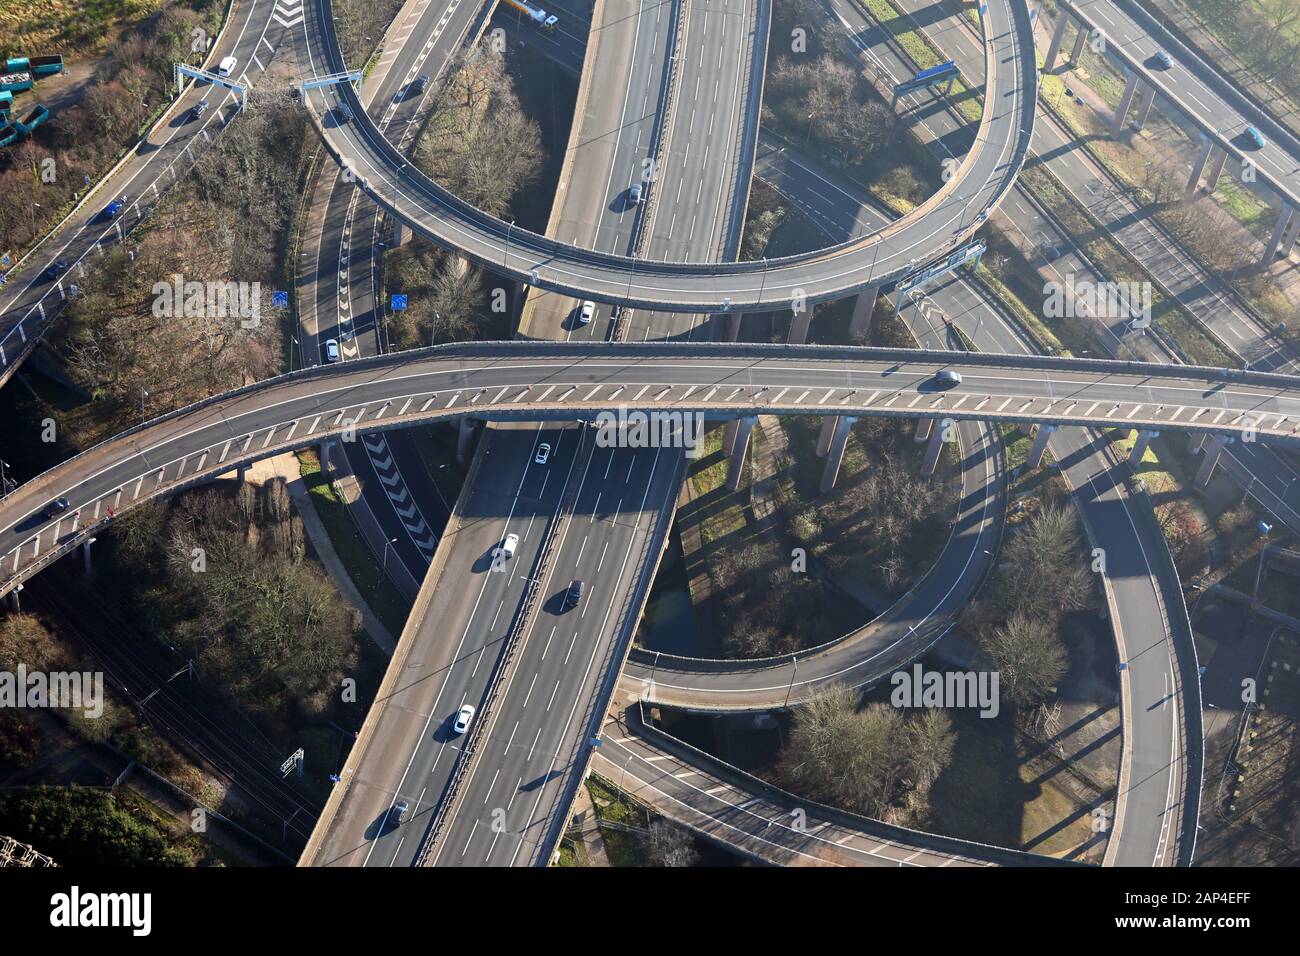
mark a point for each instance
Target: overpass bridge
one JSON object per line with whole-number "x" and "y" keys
{"x": 540, "y": 381}
{"x": 940, "y": 224}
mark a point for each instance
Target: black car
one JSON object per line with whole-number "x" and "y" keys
{"x": 573, "y": 596}
{"x": 57, "y": 507}
{"x": 420, "y": 84}
{"x": 57, "y": 269}
{"x": 398, "y": 813}
{"x": 200, "y": 108}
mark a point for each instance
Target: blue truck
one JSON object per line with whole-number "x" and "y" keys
{"x": 6, "y": 104}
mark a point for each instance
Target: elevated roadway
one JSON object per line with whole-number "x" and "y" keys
{"x": 939, "y": 224}
{"x": 568, "y": 381}
{"x": 741, "y": 812}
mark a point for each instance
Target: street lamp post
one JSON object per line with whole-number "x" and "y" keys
{"x": 387, "y": 543}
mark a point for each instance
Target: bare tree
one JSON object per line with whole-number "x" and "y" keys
{"x": 666, "y": 844}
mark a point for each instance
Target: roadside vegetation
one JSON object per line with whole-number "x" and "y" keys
{"x": 819, "y": 98}
{"x": 876, "y": 760}
{"x": 481, "y": 145}
{"x": 78, "y": 826}
{"x": 222, "y": 575}
{"x": 134, "y": 46}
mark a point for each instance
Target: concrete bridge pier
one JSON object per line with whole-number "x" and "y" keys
{"x": 732, "y": 333}
{"x": 739, "y": 445}
{"x": 835, "y": 457}
{"x": 1039, "y": 446}
{"x": 932, "y": 451}
{"x": 1140, "y": 446}
{"x": 824, "y": 436}
{"x": 865, "y": 305}
{"x": 1058, "y": 34}
{"x": 15, "y": 602}
{"x": 85, "y": 556}
{"x": 1212, "y": 454}
{"x": 465, "y": 439}
{"x": 1077, "y": 53}
{"x": 241, "y": 474}
{"x": 923, "y": 428}
{"x": 1289, "y": 240}
{"x": 1274, "y": 243}
{"x": 1216, "y": 170}
{"x": 325, "y": 458}
{"x": 1198, "y": 167}
{"x": 1117, "y": 121}
{"x": 800, "y": 319}
{"x": 1144, "y": 107}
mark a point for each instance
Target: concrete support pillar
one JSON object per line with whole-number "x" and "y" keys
{"x": 732, "y": 333}
{"x": 1216, "y": 170}
{"x": 241, "y": 474}
{"x": 1198, "y": 442}
{"x": 739, "y": 446}
{"x": 1039, "y": 446}
{"x": 15, "y": 603}
{"x": 465, "y": 439}
{"x": 325, "y": 458}
{"x": 824, "y": 436}
{"x": 1144, "y": 107}
{"x": 865, "y": 305}
{"x": 1079, "y": 41}
{"x": 799, "y": 322}
{"x": 835, "y": 457}
{"x": 729, "y": 436}
{"x": 1140, "y": 446}
{"x": 1198, "y": 167}
{"x": 932, "y": 451}
{"x": 1062, "y": 21}
{"x": 923, "y": 429}
{"x": 1289, "y": 240}
{"x": 1283, "y": 221}
{"x": 85, "y": 556}
{"x": 1211, "y": 461}
{"x": 1117, "y": 121}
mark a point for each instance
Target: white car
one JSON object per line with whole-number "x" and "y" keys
{"x": 463, "y": 717}
{"x": 331, "y": 350}
{"x": 543, "y": 454}
{"x": 508, "y": 546}
{"x": 588, "y": 310}
{"x": 227, "y": 66}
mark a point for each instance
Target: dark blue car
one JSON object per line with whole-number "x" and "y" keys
{"x": 113, "y": 208}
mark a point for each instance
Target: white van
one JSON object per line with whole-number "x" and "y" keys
{"x": 227, "y": 66}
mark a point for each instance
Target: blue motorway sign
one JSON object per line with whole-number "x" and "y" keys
{"x": 280, "y": 300}
{"x": 399, "y": 302}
